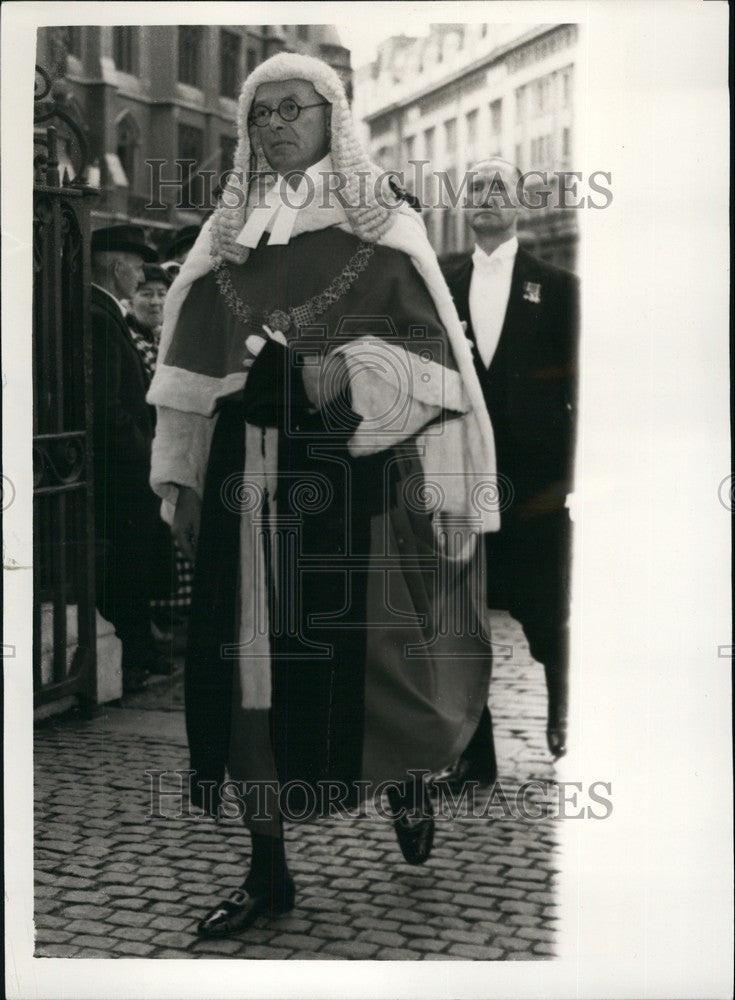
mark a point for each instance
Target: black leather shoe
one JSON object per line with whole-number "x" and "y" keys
{"x": 556, "y": 738}
{"x": 241, "y": 911}
{"x": 415, "y": 839}
{"x": 462, "y": 771}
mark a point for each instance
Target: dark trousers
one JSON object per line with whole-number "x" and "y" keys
{"x": 124, "y": 576}
{"x": 528, "y": 574}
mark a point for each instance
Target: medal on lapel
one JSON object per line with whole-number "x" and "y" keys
{"x": 532, "y": 292}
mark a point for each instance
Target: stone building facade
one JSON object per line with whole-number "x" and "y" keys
{"x": 164, "y": 92}
{"x": 468, "y": 91}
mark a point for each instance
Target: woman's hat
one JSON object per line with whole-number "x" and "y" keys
{"x": 154, "y": 272}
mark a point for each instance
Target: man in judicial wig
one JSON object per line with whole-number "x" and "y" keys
{"x": 522, "y": 317}
{"x": 298, "y": 414}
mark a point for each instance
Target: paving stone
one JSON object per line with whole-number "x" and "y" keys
{"x": 164, "y": 895}
{"x": 407, "y": 916}
{"x": 427, "y": 944}
{"x": 536, "y": 934}
{"x": 335, "y": 932}
{"x": 478, "y": 902}
{"x": 79, "y": 870}
{"x": 129, "y": 918}
{"x": 484, "y": 953}
{"x": 227, "y": 946}
{"x": 541, "y": 897}
{"x": 521, "y": 956}
{"x": 138, "y": 903}
{"x": 169, "y": 909}
{"x": 46, "y": 892}
{"x": 299, "y": 941}
{"x": 442, "y": 957}
{"x": 523, "y": 920}
{"x": 122, "y": 890}
{"x": 519, "y": 906}
{"x": 82, "y": 911}
{"x": 527, "y": 874}
{"x": 433, "y": 895}
{"x": 544, "y": 948}
{"x": 70, "y": 882}
{"x": 351, "y": 949}
{"x": 137, "y": 948}
{"x": 131, "y": 933}
{"x": 481, "y": 917}
{"x": 95, "y": 941}
{"x": 48, "y": 935}
{"x": 48, "y": 950}
{"x": 45, "y": 906}
{"x": 267, "y": 952}
{"x": 465, "y": 937}
{"x": 89, "y": 897}
{"x": 388, "y": 938}
{"x": 376, "y": 924}
{"x": 172, "y": 939}
{"x": 510, "y": 943}
{"x": 172, "y": 923}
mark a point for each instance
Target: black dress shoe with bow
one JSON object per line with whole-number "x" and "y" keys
{"x": 414, "y": 827}
{"x": 242, "y": 909}
{"x": 415, "y": 838}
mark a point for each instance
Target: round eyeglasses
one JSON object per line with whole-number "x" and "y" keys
{"x": 288, "y": 110}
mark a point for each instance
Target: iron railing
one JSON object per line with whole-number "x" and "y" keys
{"x": 63, "y": 514}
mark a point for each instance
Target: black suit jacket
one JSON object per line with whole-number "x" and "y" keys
{"x": 123, "y": 429}
{"x": 531, "y": 385}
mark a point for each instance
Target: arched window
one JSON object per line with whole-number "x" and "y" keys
{"x": 127, "y": 136}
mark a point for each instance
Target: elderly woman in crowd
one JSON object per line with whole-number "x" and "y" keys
{"x": 324, "y": 453}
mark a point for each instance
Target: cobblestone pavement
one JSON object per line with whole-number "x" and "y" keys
{"x": 112, "y": 883}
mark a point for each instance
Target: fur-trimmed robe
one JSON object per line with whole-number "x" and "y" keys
{"x": 357, "y": 627}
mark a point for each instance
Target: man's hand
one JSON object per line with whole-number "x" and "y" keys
{"x": 186, "y": 521}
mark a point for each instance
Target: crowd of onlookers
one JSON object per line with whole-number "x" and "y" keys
{"x": 143, "y": 580}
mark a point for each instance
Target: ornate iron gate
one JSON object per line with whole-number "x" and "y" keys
{"x": 63, "y": 510}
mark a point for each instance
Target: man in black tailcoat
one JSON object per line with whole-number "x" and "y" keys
{"x": 126, "y": 510}
{"x": 522, "y": 319}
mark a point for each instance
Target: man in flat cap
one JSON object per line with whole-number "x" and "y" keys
{"x": 126, "y": 510}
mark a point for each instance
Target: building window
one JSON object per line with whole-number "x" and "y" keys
{"x": 566, "y": 142}
{"x": 409, "y": 148}
{"x": 450, "y": 137}
{"x": 519, "y": 156}
{"x": 229, "y": 56}
{"x": 190, "y": 55}
{"x": 126, "y": 147}
{"x": 471, "y": 128}
{"x": 483, "y": 31}
{"x": 567, "y": 86}
{"x": 251, "y": 61}
{"x": 191, "y": 148}
{"x": 302, "y": 32}
{"x": 125, "y": 49}
{"x": 520, "y": 104}
{"x": 496, "y": 117}
{"x": 429, "y": 144}
{"x": 73, "y": 40}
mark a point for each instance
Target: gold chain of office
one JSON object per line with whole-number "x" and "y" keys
{"x": 308, "y": 312}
